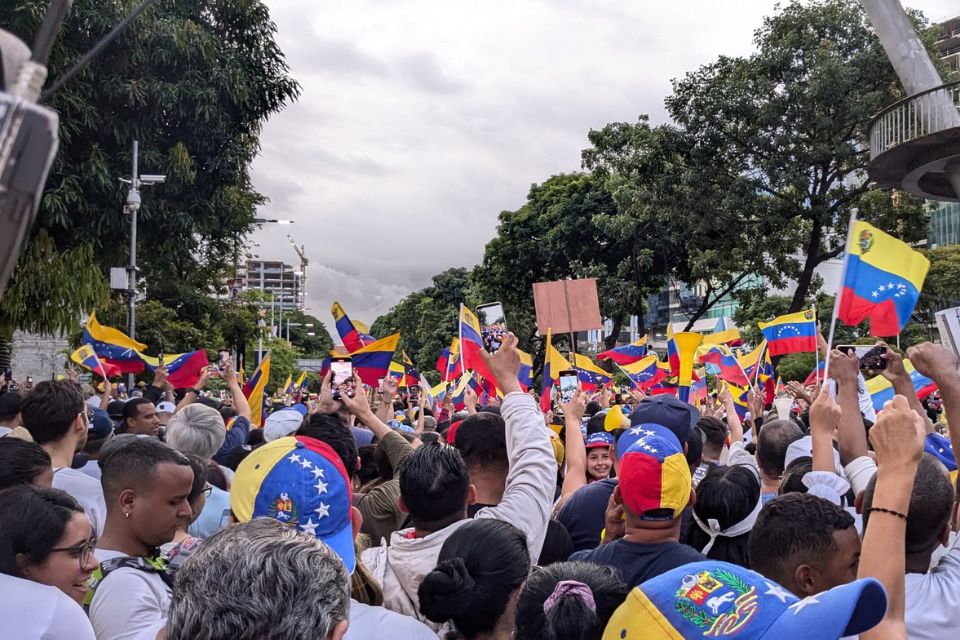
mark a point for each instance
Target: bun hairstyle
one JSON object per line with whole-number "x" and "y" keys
{"x": 569, "y": 601}
{"x": 479, "y": 568}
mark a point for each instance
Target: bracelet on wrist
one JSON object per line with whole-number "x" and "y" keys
{"x": 889, "y": 511}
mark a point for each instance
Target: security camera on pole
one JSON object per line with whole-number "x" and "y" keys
{"x": 131, "y": 207}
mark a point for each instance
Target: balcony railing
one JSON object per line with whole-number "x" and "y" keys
{"x": 914, "y": 117}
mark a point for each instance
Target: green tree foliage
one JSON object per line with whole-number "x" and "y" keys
{"x": 315, "y": 346}
{"x": 193, "y": 82}
{"x": 283, "y": 361}
{"x": 784, "y": 129}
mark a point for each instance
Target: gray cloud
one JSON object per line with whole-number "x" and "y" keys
{"x": 421, "y": 120}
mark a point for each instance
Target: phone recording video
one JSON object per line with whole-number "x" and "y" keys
{"x": 414, "y": 391}
{"x": 569, "y": 382}
{"x": 871, "y": 358}
{"x": 493, "y": 325}
{"x": 341, "y": 382}
{"x": 224, "y": 355}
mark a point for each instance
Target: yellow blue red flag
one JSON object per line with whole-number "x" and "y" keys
{"x": 255, "y": 391}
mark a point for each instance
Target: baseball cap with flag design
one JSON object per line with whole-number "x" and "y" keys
{"x": 720, "y": 600}
{"x": 301, "y": 482}
{"x": 654, "y": 476}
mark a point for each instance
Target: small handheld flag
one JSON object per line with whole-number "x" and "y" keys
{"x": 792, "y": 333}
{"x": 86, "y": 357}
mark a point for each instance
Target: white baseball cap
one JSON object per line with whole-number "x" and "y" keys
{"x": 166, "y": 407}
{"x": 281, "y": 423}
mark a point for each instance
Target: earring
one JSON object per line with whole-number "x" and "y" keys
{"x": 126, "y": 514}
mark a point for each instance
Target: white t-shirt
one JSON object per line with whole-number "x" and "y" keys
{"x": 33, "y": 611}
{"x": 378, "y": 622}
{"x": 933, "y": 599}
{"x": 128, "y": 601}
{"x": 84, "y": 490}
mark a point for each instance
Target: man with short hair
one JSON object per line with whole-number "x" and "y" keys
{"x": 653, "y": 490}
{"x": 306, "y": 596}
{"x": 435, "y": 490}
{"x": 146, "y": 484}
{"x": 772, "y": 443}
{"x": 805, "y": 543}
{"x": 140, "y": 418}
{"x": 304, "y": 482}
{"x": 57, "y": 418}
{"x": 714, "y": 436}
{"x": 9, "y": 412}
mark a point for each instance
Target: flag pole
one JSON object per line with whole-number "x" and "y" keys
{"x": 463, "y": 369}
{"x": 756, "y": 374}
{"x": 632, "y": 381}
{"x": 836, "y": 301}
{"x": 816, "y": 362}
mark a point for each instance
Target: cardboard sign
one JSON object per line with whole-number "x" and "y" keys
{"x": 566, "y": 306}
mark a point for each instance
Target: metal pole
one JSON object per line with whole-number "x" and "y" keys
{"x": 132, "y": 269}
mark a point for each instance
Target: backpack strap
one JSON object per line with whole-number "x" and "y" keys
{"x": 155, "y": 564}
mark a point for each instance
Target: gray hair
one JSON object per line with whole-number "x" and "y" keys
{"x": 196, "y": 429}
{"x": 260, "y": 580}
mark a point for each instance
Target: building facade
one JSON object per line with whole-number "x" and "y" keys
{"x": 279, "y": 279}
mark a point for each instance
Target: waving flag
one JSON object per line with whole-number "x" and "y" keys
{"x": 183, "y": 370}
{"x": 352, "y": 338}
{"x": 525, "y": 375}
{"x": 553, "y": 364}
{"x": 644, "y": 373}
{"x": 722, "y": 335}
{"x": 665, "y": 386}
{"x": 255, "y": 391}
{"x": 300, "y": 384}
{"x": 627, "y": 354}
{"x": 372, "y": 362}
{"x": 590, "y": 375}
{"x": 396, "y": 372}
{"x": 881, "y": 389}
{"x": 792, "y": 333}
{"x": 115, "y": 349}
{"x": 411, "y": 375}
{"x": 673, "y": 354}
{"x": 471, "y": 344}
{"x": 448, "y": 364}
{"x": 758, "y": 358}
{"x": 882, "y": 280}
{"x": 87, "y": 358}
{"x": 740, "y": 400}
{"x": 725, "y": 365}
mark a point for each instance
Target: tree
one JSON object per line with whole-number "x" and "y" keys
{"x": 193, "y": 82}
{"x": 317, "y": 345}
{"x": 283, "y": 361}
{"x": 787, "y": 125}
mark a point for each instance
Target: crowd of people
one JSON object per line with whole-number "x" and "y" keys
{"x": 167, "y": 515}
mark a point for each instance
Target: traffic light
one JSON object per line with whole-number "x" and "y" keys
{"x": 28, "y": 145}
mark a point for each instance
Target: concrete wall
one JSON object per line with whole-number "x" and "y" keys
{"x": 39, "y": 356}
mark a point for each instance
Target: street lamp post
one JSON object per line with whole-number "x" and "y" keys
{"x": 132, "y": 206}
{"x": 297, "y": 324}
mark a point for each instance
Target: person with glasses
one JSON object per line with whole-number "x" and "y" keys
{"x": 46, "y": 558}
{"x": 56, "y": 416}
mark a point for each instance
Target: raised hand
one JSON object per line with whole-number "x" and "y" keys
{"x": 932, "y": 360}
{"x": 898, "y": 436}
{"x": 824, "y": 414}
{"x": 505, "y": 364}
{"x": 575, "y": 409}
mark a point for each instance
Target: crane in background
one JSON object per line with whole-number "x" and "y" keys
{"x": 302, "y": 294}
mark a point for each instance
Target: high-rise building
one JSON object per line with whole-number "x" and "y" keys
{"x": 274, "y": 277}
{"x": 945, "y": 216}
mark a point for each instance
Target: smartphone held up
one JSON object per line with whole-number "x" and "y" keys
{"x": 493, "y": 325}
{"x": 341, "y": 377}
{"x": 569, "y": 383}
{"x": 872, "y": 358}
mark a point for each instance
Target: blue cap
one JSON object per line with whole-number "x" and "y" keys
{"x": 599, "y": 439}
{"x": 676, "y": 415}
{"x": 638, "y": 432}
{"x": 299, "y": 407}
{"x": 721, "y": 600}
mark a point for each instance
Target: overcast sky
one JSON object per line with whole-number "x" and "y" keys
{"x": 421, "y": 120}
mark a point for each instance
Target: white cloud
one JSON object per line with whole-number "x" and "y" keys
{"x": 421, "y": 120}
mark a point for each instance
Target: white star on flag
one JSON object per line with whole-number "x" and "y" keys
{"x": 777, "y": 590}
{"x": 323, "y": 510}
{"x": 306, "y": 464}
{"x": 310, "y": 527}
{"x": 321, "y": 487}
{"x": 797, "y": 607}
{"x": 317, "y": 473}
{"x": 294, "y": 458}
{"x": 875, "y": 294}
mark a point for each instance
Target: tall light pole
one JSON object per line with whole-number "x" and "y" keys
{"x": 303, "y": 271}
{"x": 132, "y": 206}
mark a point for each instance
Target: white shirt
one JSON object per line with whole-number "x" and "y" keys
{"x": 127, "y": 602}
{"x": 33, "y": 611}
{"x": 92, "y": 469}
{"x": 933, "y": 599}
{"x": 84, "y": 490}
{"x": 378, "y": 622}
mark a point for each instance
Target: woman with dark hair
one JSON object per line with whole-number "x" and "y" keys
{"x": 569, "y": 601}
{"x": 23, "y": 462}
{"x": 46, "y": 537}
{"x": 728, "y": 502}
{"x": 479, "y": 572}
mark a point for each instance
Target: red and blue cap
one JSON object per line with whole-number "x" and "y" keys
{"x": 599, "y": 439}
{"x": 301, "y": 482}
{"x": 714, "y": 599}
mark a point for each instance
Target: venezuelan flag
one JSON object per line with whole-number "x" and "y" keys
{"x": 627, "y": 354}
{"x": 553, "y": 364}
{"x": 792, "y": 333}
{"x": 722, "y": 335}
{"x": 752, "y": 360}
{"x": 644, "y": 373}
{"x": 816, "y": 373}
{"x": 471, "y": 344}
{"x": 372, "y": 362}
{"x": 882, "y": 280}
{"x": 301, "y": 380}
{"x": 285, "y": 387}
{"x": 438, "y": 394}
{"x": 673, "y": 354}
{"x": 698, "y": 391}
{"x": 665, "y": 386}
{"x": 352, "y": 338}
{"x": 411, "y": 375}
{"x": 255, "y": 391}
{"x": 525, "y": 375}
{"x": 87, "y": 358}
{"x": 881, "y": 389}
{"x": 448, "y": 364}
{"x": 740, "y": 396}
{"x": 725, "y": 365}
{"x": 183, "y": 370}
{"x": 590, "y": 375}
{"x": 114, "y": 348}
